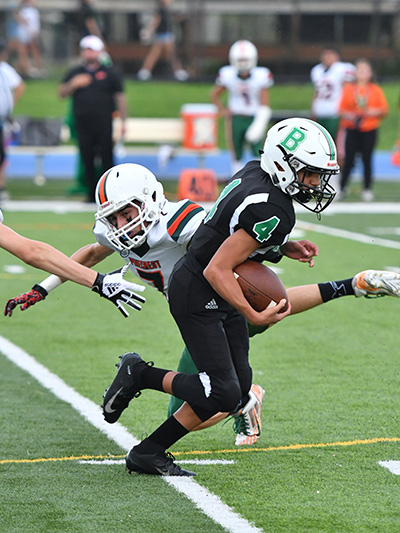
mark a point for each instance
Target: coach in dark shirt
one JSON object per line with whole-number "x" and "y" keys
{"x": 96, "y": 91}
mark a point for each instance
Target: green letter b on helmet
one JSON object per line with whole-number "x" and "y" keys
{"x": 293, "y": 139}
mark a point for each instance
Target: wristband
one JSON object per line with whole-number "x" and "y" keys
{"x": 42, "y": 291}
{"x": 50, "y": 283}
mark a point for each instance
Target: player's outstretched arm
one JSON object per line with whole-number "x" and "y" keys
{"x": 44, "y": 256}
{"x": 111, "y": 286}
{"x": 41, "y": 255}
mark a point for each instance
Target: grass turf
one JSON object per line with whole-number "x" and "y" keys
{"x": 330, "y": 376}
{"x": 165, "y": 99}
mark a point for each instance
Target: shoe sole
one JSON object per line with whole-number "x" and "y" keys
{"x": 384, "y": 280}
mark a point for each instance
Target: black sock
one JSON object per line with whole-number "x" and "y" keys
{"x": 335, "y": 289}
{"x": 152, "y": 377}
{"x": 163, "y": 437}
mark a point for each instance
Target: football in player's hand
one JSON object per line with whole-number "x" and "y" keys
{"x": 260, "y": 285}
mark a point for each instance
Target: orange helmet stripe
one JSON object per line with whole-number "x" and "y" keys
{"x": 102, "y": 187}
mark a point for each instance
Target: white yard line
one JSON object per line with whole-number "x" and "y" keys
{"x": 63, "y": 206}
{"x": 207, "y": 502}
{"x": 184, "y": 462}
{"x": 345, "y": 234}
{"x": 392, "y": 466}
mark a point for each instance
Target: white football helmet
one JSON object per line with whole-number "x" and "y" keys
{"x": 243, "y": 56}
{"x": 123, "y": 185}
{"x": 298, "y": 144}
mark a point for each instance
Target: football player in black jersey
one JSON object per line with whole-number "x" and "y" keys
{"x": 252, "y": 218}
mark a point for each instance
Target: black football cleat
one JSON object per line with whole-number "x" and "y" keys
{"x": 124, "y": 387}
{"x": 158, "y": 464}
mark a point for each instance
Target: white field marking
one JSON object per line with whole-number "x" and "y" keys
{"x": 384, "y": 231}
{"x": 350, "y": 235}
{"x": 390, "y": 208}
{"x": 392, "y": 466}
{"x": 59, "y": 207}
{"x": 210, "y": 504}
{"x": 184, "y": 462}
{"x": 370, "y": 208}
{"x": 14, "y": 269}
{"x": 393, "y": 269}
{"x": 63, "y": 206}
{"x": 297, "y": 234}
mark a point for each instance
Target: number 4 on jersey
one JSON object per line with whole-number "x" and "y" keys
{"x": 264, "y": 229}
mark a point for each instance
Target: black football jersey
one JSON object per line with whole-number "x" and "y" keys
{"x": 250, "y": 202}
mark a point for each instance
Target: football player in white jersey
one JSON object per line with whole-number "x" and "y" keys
{"x": 135, "y": 220}
{"x": 247, "y": 112}
{"x": 328, "y": 78}
{"x": 151, "y": 234}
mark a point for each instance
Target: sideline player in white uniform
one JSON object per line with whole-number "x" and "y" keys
{"x": 135, "y": 220}
{"x": 247, "y": 112}
{"x": 12, "y": 87}
{"x": 328, "y": 78}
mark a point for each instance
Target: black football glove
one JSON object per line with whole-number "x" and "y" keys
{"x": 26, "y": 300}
{"x": 113, "y": 287}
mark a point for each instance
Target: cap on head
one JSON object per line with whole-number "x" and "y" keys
{"x": 92, "y": 42}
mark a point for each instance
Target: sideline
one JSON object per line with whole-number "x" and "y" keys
{"x": 211, "y": 505}
{"x": 349, "y": 235}
{"x": 72, "y": 206}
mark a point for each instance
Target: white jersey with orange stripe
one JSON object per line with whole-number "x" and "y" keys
{"x": 166, "y": 243}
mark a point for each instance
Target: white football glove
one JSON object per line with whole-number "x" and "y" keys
{"x": 258, "y": 128}
{"x": 113, "y": 287}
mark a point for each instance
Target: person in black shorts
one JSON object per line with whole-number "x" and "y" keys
{"x": 162, "y": 34}
{"x": 252, "y": 218}
{"x": 97, "y": 92}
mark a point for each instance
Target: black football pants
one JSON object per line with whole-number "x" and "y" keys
{"x": 95, "y": 140}
{"x": 217, "y": 338}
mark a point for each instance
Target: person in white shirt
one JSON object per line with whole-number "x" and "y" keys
{"x": 247, "y": 112}
{"x": 328, "y": 78}
{"x": 29, "y": 34}
{"x": 11, "y": 89}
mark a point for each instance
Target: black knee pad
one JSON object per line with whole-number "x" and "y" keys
{"x": 225, "y": 391}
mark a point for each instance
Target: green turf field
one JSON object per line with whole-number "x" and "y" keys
{"x": 330, "y": 413}
{"x": 165, "y": 99}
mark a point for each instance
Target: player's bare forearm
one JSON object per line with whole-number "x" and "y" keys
{"x": 91, "y": 254}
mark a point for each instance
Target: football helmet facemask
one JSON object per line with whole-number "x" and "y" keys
{"x": 129, "y": 185}
{"x": 293, "y": 148}
{"x": 243, "y": 56}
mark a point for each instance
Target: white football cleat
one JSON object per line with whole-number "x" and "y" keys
{"x": 376, "y": 283}
{"x": 248, "y": 422}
